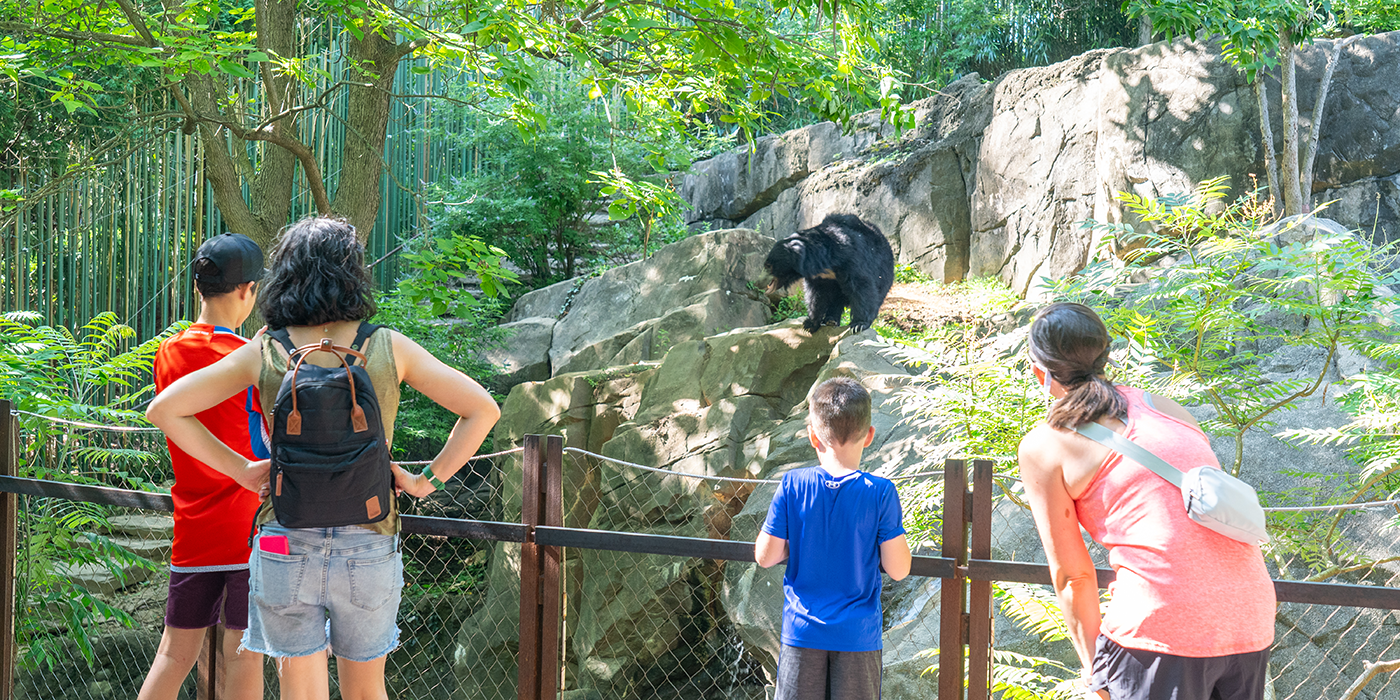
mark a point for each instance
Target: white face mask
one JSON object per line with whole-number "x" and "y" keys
{"x": 1046, "y": 379}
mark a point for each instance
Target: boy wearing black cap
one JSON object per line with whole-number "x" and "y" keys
{"x": 209, "y": 554}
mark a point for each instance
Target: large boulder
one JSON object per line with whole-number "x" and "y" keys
{"x": 1370, "y": 205}
{"x": 709, "y": 313}
{"x": 586, "y": 408}
{"x": 695, "y": 416}
{"x": 676, "y": 276}
{"x": 524, "y": 354}
{"x": 996, "y": 179}
{"x": 695, "y": 287}
{"x": 915, "y": 191}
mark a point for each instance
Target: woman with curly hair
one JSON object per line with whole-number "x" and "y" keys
{"x": 335, "y": 589}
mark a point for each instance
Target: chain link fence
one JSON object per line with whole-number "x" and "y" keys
{"x": 93, "y": 587}
{"x": 1319, "y": 650}
{"x": 651, "y": 625}
{"x": 93, "y": 584}
{"x": 658, "y": 626}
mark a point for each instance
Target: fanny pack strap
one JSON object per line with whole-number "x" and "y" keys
{"x": 1131, "y": 450}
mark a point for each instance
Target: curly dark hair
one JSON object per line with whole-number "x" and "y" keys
{"x": 318, "y": 275}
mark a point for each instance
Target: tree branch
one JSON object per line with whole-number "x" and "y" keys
{"x": 293, "y": 111}
{"x": 1320, "y": 109}
{"x": 1370, "y": 670}
{"x": 137, "y": 21}
{"x": 21, "y": 28}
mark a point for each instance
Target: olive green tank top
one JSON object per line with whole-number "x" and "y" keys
{"x": 383, "y": 373}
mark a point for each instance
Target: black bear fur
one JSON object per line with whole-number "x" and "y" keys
{"x": 842, "y": 262}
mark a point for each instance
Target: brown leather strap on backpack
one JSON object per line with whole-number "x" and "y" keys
{"x": 357, "y": 414}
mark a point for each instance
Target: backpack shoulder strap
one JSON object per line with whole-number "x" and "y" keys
{"x": 285, "y": 339}
{"x": 1131, "y": 450}
{"x": 362, "y": 335}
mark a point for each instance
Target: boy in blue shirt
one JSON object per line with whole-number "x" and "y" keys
{"x": 837, "y": 527}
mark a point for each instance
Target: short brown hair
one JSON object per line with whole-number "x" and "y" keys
{"x": 840, "y": 410}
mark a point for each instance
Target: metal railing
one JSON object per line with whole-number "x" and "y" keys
{"x": 532, "y": 609}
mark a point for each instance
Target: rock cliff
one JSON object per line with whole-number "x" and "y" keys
{"x": 997, "y": 177}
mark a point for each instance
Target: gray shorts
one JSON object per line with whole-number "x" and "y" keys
{"x": 816, "y": 674}
{"x": 1134, "y": 674}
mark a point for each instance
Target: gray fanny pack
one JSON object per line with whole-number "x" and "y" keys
{"x": 1213, "y": 498}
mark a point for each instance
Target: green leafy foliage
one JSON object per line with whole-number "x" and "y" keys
{"x": 1252, "y": 29}
{"x": 442, "y": 265}
{"x": 908, "y": 274}
{"x": 423, "y": 426}
{"x": 637, "y": 198}
{"x": 538, "y": 197}
{"x": 1372, "y": 438}
{"x": 935, "y": 42}
{"x": 1369, "y": 16}
{"x": 790, "y": 307}
{"x": 1230, "y": 287}
{"x": 91, "y": 376}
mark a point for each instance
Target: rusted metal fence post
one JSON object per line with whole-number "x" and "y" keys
{"x": 979, "y": 604}
{"x": 9, "y": 548}
{"x": 532, "y": 463}
{"x": 541, "y": 504}
{"x": 551, "y": 560}
{"x": 952, "y": 618}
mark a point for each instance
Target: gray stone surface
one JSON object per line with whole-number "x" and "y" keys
{"x": 688, "y": 273}
{"x": 1370, "y": 205}
{"x": 997, "y": 178}
{"x": 708, "y": 313}
{"x": 523, "y": 355}
{"x": 545, "y": 302}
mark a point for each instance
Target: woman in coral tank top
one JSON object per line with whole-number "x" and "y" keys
{"x": 1192, "y": 611}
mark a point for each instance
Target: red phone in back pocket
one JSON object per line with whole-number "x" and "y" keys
{"x": 277, "y": 544}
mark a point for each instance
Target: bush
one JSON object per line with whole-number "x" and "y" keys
{"x": 93, "y": 376}
{"x": 540, "y": 199}
{"x": 423, "y": 426}
{"x": 1234, "y": 292}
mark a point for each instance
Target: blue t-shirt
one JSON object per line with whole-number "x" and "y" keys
{"x": 834, "y": 528}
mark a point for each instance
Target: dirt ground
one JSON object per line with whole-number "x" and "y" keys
{"x": 915, "y": 307}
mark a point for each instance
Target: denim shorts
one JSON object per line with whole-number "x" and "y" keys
{"x": 339, "y": 586}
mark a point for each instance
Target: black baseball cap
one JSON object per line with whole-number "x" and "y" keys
{"x": 237, "y": 258}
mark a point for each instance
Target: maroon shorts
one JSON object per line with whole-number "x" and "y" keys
{"x": 200, "y": 599}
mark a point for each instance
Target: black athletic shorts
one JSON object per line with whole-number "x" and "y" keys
{"x": 1134, "y": 674}
{"x": 816, "y": 674}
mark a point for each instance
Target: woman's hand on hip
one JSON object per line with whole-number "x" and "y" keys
{"x": 412, "y": 484}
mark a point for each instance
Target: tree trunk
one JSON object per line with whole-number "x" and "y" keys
{"x": 270, "y": 187}
{"x": 357, "y": 193}
{"x": 1319, "y": 111}
{"x": 1292, "y": 182}
{"x": 1144, "y": 30}
{"x": 1266, "y": 135}
{"x": 219, "y": 166}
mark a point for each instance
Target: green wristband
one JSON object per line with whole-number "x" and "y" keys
{"x": 432, "y": 478}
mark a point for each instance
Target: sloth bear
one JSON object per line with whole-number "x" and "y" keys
{"x": 842, "y": 262}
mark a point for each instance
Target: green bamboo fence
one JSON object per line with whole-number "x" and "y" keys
{"x": 121, "y": 239}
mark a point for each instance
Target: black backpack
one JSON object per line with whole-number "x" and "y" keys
{"x": 330, "y": 464}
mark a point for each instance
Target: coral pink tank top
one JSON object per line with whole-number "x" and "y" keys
{"x": 1182, "y": 589}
